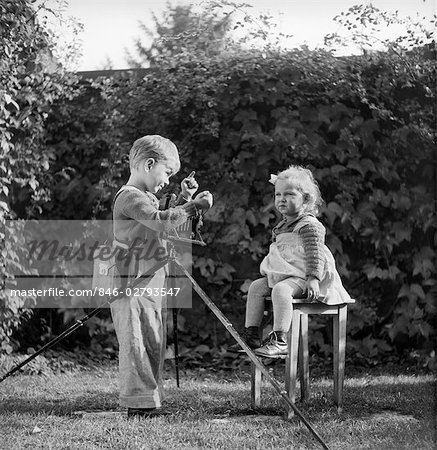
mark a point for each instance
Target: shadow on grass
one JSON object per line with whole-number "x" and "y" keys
{"x": 403, "y": 395}
{"x": 363, "y": 397}
{"x": 187, "y": 403}
{"x": 60, "y": 407}
{"x": 368, "y": 397}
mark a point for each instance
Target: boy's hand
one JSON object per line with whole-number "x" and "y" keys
{"x": 203, "y": 200}
{"x": 189, "y": 186}
{"x": 313, "y": 289}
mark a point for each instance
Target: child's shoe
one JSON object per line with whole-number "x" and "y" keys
{"x": 275, "y": 347}
{"x": 250, "y": 336}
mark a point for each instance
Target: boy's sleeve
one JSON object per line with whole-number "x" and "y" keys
{"x": 141, "y": 208}
{"x": 313, "y": 237}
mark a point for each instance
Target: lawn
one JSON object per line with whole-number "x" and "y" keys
{"x": 212, "y": 411}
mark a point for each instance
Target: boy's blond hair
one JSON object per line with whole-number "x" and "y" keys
{"x": 151, "y": 146}
{"x": 303, "y": 180}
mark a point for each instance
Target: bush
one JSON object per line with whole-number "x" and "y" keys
{"x": 356, "y": 122}
{"x": 31, "y": 82}
{"x": 238, "y": 116}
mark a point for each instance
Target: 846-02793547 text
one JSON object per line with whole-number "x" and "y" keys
{"x": 138, "y": 292}
{"x": 99, "y": 292}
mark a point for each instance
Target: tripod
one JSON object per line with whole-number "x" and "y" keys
{"x": 174, "y": 267}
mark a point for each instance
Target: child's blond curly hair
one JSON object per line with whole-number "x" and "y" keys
{"x": 303, "y": 180}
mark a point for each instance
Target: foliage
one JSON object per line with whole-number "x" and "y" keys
{"x": 356, "y": 121}
{"x": 365, "y": 26}
{"x": 53, "y": 363}
{"x": 180, "y": 29}
{"x": 31, "y": 82}
{"x": 211, "y": 28}
{"x": 238, "y": 116}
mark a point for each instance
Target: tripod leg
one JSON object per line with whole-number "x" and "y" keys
{"x": 172, "y": 274}
{"x": 176, "y": 346}
{"x": 80, "y": 322}
{"x": 64, "y": 334}
{"x": 223, "y": 319}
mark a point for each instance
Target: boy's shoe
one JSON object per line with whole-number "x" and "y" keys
{"x": 250, "y": 336}
{"x": 146, "y": 412}
{"x": 275, "y": 347}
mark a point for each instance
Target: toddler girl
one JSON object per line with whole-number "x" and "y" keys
{"x": 298, "y": 262}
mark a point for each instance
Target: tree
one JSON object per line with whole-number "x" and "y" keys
{"x": 31, "y": 81}
{"x": 180, "y": 29}
{"x": 212, "y": 28}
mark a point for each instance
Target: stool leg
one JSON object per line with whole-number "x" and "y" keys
{"x": 291, "y": 360}
{"x": 255, "y": 387}
{"x": 339, "y": 355}
{"x": 303, "y": 358}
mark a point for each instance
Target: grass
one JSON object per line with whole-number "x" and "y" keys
{"x": 212, "y": 411}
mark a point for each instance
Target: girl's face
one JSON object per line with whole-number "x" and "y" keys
{"x": 288, "y": 200}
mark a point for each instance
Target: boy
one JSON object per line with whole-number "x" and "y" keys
{"x": 138, "y": 320}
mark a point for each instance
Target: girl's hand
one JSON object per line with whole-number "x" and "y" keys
{"x": 313, "y": 289}
{"x": 189, "y": 186}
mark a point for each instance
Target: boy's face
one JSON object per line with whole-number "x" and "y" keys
{"x": 157, "y": 173}
{"x": 288, "y": 200}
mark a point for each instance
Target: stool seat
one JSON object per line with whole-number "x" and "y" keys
{"x": 298, "y": 350}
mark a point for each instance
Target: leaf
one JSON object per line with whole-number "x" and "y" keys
{"x": 202, "y": 349}
{"x": 425, "y": 329}
{"x": 250, "y": 217}
{"x": 246, "y": 116}
{"x": 402, "y": 231}
{"x": 417, "y": 290}
{"x": 393, "y": 271}
{"x": 370, "y": 271}
{"x": 404, "y": 291}
{"x": 224, "y": 272}
{"x": 11, "y": 101}
{"x": 7, "y": 347}
{"x": 33, "y": 184}
{"x": 367, "y": 132}
{"x": 423, "y": 262}
{"x": 332, "y": 211}
{"x": 368, "y": 165}
{"x": 355, "y": 164}
{"x": 245, "y": 286}
{"x": 366, "y": 209}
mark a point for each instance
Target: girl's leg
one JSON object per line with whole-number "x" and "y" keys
{"x": 258, "y": 290}
{"x": 282, "y": 299}
{"x": 254, "y": 315}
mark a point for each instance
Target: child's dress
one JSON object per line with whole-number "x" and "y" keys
{"x": 287, "y": 259}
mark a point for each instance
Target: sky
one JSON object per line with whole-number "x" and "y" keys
{"x": 110, "y": 26}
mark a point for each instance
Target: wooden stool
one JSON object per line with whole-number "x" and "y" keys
{"x": 298, "y": 348}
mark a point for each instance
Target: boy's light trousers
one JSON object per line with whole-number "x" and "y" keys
{"x": 139, "y": 323}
